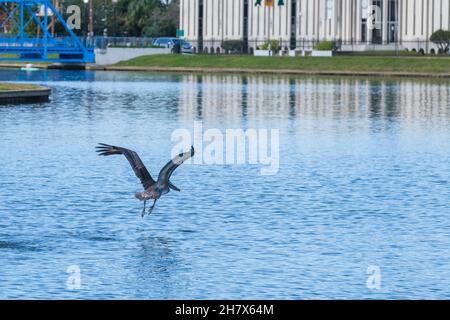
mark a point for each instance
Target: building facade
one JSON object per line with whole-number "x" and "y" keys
{"x": 298, "y": 24}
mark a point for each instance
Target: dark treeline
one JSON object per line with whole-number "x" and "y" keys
{"x": 122, "y": 18}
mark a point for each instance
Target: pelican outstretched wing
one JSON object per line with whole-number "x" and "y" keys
{"x": 136, "y": 163}
{"x": 169, "y": 168}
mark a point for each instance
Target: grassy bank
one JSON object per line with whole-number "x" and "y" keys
{"x": 18, "y": 87}
{"x": 436, "y": 65}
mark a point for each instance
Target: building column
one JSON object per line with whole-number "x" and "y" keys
{"x": 385, "y": 22}
{"x": 400, "y": 21}
{"x": 336, "y": 20}
{"x": 358, "y": 21}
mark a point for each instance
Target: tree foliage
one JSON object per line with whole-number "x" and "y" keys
{"x": 442, "y": 39}
{"x": 151, "y": 18}
{"x": 139, "y": 15}
{"x": 164, "y": 20}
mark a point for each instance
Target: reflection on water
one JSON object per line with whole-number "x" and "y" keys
{"x": 250, "y": 99}
{"x": 363, "y": 181}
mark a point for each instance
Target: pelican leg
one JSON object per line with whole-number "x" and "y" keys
{"x": 143, "y": 210}
{"x": 151, "y": 208}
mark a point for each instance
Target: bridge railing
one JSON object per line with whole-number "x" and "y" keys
{"x": 8, "y": 40}
{"x": 96, "y": 42}
{"x": 55, "y": 49}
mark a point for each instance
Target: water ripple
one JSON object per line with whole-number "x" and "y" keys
{"x": 363, "y": 180}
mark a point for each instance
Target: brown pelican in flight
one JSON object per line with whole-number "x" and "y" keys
{"x": 152, "y": 189}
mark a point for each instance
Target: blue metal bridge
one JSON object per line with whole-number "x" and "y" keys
{"x": 27, "y": 35}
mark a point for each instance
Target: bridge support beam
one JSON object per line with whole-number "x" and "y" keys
{"x": 23, "y": 42}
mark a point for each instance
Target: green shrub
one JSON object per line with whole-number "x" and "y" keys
{"x": 325, "y": 45}
{"x": 273, "y": 45}
{"x": 232, "y": 45}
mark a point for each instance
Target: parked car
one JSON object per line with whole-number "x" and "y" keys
{"x": 185, "y": 46}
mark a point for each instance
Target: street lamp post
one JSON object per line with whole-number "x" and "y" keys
{"x": 396, "y": 37}
{"x": 114, "y": 18}
{"x": 91, "y": 19}
{"x": 105, "y": 20}
{"x": 85, "y": 2}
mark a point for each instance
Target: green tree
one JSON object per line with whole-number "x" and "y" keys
{"x": 139, "y": 15}
{"x": 442, "y": 39}
{"x": 164, "y": 20}
{"x": 152, "y": 18}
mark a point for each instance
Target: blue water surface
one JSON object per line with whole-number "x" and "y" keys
{"x": 363, "y": 184}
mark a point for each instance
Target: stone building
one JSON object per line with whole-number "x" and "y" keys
{"x": 355, "y": 25}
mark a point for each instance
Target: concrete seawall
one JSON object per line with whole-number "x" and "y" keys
{"x": 394, "y": 74}
{"x": 317, "y": 72}
{"x": 40, "y": 94}
{"x": 115, "y": 55}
